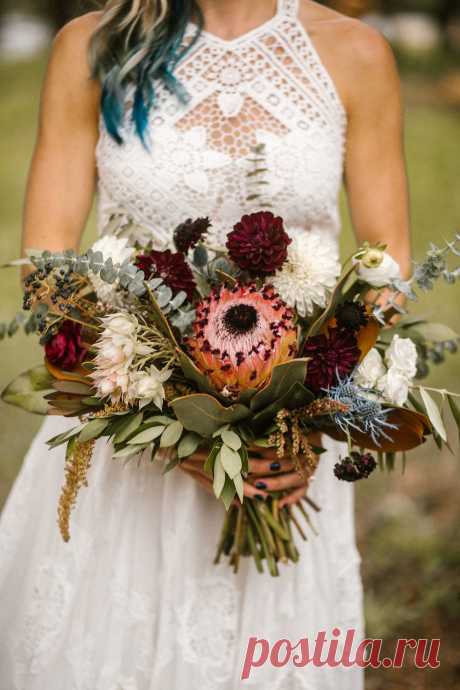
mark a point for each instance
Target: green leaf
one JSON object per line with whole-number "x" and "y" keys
{"x": 128, "y": 427}
{"x": 231, "y": 461}
{"x": 62, "y": 438}
{"x": 239, "y": 486}
{"x": 455, "y": 411}
{"x": 192, "y": 373}
{"x": 333, "y": 302}
{"x": 171, "y": 435}
{"x": 28, "y": 390}
{"x": 434, "y": 414}
{"x": 128, "y": 451}
{"x": 231, "y": 439}
{"x": 72, "y": 387}
{"x": 93, "y": 429}
{"x": 228, "y": 493}
{"x": 174, "y": 462}
{"x": 159, "y": 419}
{"x": 297, "y": 396}
{"x": 147, "y": 436}
{"x": 188, "y": 444}
{"x": 436, "y": 332}
{"x": 219, "y": 477}
{"x": 204, "y": 414}
{"x": 209, "y": 464}
{"x": 283, "y": 377}
{"x": 244, "y": 460}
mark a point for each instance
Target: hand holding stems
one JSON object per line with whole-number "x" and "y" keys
{"x": 267, "y": 473}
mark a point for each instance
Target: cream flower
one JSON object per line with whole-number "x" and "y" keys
{"x": 394, "y": 387}
{"x": 147, "y": 386}
{"x": 376, "y": 270}
{"x": 310, "y": 271}
{"x": 370, "y": 370}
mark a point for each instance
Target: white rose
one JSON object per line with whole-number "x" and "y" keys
{"x": 370, "y": 370}
{"x": 394, "y": 387}
{"x": 402, "y": 357}
{"x": 381, "y": 275}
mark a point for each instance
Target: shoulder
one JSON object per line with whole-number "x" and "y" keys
{"x": 355, "y": 53}
{"x": 71, "y": 43}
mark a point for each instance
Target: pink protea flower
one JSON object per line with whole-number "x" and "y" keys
{"x": 240, "y": 335}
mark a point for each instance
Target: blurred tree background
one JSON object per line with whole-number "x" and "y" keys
{"x": 407, "y": 523}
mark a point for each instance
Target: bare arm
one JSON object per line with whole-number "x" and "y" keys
{"x": 375, "y": 170}
{"x": 62, "y": 176}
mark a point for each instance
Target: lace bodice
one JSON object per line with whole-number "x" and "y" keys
{"x": 263, "y": 127}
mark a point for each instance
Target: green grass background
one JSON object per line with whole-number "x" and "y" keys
{"x": 407, "y": 525}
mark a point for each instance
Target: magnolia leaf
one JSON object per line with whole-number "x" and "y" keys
{"x": 147, "y": 436}
{"x": 282, "y": 379}
{"x": 171, "y": 435}
{"x": 79, "y": 374}
{"x": 128, "y": 427}
{"x": 231, "y": 461}
{"x": 204, "y": 414}
{"x": 72, "y": 387}
{"x": 434, "y": 414}
{"x": 219, "y": 477}
{"x": 228, "y": 493}
{"x": 188, "y": 444}
{"x": 93, "y": 429}
{"x": 231, "y": 439}
{"x": 367, "y": 337}
{"x": 239, "y": 486}
{"x": 29, "y": 391}
{"x": 297, "y": 396}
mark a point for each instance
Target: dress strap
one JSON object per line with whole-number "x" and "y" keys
{"x": 289, "y": 8}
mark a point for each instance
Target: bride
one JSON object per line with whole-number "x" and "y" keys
{"x": 133, "y": 601}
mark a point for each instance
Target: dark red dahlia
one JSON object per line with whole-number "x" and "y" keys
{"x": 188, "y": 234}
{"x": 258, "y": 243}
{"x": 173, "y": 268}
{"x": 65, "y": 349}
{"x": 332, "y": 356}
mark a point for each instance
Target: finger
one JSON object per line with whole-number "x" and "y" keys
{"x": 251, "y": 491}
{"x": 293, "y": 480}
{"x": 200, "y": 479}
{"x": 293, "y": 497}
{"x": 264, "y": 467}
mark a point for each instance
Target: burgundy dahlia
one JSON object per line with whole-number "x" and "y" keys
{"x": 65, "y": 349}
{"x": 172, "y": 268}
{"x": 355, "y": 467}
{"x": 258, "y": 243}
{"x": 188, "y": 234}
{"x": 332, "y": 356}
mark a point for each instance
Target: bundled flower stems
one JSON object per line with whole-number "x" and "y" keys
{"x": 268, "y": 342}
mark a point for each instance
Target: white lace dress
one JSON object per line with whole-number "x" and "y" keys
{"x": 133, "y": 601}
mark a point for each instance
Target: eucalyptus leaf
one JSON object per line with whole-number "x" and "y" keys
{"x": 209, "y": 464}
{"x": 231, "y": 439}
{"x": 128, "y": 427}
{"x": 436, "y": 332}
{"x": 188, "y": 444}
{"x": 93, "y": 429}
{"x": 434, "y": 414}
{"x": 160, "y": 419}
{"x": 228, "y": 493}
{"x": 219, "y": 477}
{"x": 171, "y": 435}
{"x": 62, "y": 438}
{"x": 147, "y": 436}
{"x": 231, "y": 461}
{"x": 455, "y": 411}
{"x": 128, "y": 451}
{"x": 239, "y": 486}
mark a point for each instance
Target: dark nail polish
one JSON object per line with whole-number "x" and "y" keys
{"x": 275, "y": 466}
{"x": 261, "y": 485}
{"x": 260, "y": 497}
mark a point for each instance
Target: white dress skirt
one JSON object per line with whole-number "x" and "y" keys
{"x": 134, "y": 601}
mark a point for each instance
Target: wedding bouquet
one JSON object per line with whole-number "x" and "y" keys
{"x": 258, "y": 344}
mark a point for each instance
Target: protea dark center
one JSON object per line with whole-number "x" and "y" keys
{"x": 242, "y": 318}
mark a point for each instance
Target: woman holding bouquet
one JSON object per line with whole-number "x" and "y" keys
{"x": 167, "y": 120}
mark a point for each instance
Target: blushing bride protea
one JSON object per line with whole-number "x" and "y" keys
{"x": 240, "y": 335}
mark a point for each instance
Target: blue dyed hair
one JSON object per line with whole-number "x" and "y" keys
{"x": 136, "y": 43}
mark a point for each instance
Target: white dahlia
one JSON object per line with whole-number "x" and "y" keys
{"x": 117, "y": 249}
{"x": 310, "y": 271}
